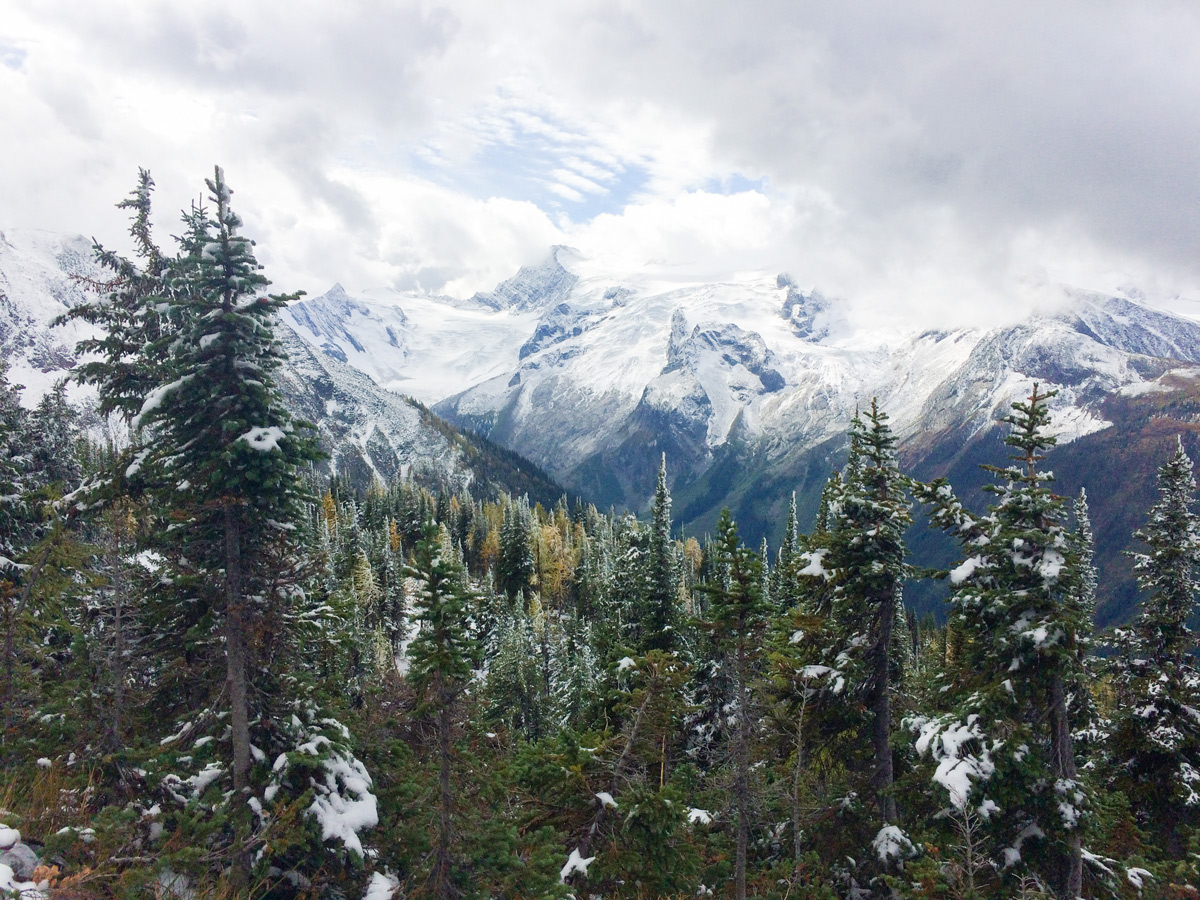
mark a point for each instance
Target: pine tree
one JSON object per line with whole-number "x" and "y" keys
{"x": 1155, "y": 740}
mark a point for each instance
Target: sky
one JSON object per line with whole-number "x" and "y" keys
{"x": 940, "y": 162}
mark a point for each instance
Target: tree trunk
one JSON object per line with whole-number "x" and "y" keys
{"x": 118, "y": 599}
{"x": 235, "y": 676}
{"x": 797, "y": 774}
{"x": 442, "y": 887}
{"x": 881, "y": 706}
{"x": 1062, "y": 759}
{"x": 741, "y": 777}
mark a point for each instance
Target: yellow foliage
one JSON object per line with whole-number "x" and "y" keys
{"x": 329, "y": 507}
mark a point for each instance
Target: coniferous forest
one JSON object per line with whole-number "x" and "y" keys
{"x": 224, "y": 675}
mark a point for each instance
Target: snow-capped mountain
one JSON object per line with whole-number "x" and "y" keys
{"x": 367, "y": 431}
{"x": 42, "y": 275}
{"x": 575, "y": 370}
{"x": 748, "y": 385}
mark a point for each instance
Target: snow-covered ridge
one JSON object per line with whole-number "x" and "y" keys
{"x": 40, "y": 276}
{"x": 369, "y": 431}
{"x": 563, "y": 363}
{"x": 577, "y": 368}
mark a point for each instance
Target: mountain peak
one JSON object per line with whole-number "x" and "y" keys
{"x": 541, "y": 286}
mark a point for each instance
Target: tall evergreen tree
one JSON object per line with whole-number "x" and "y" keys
{"x": 220, "y": 445}
{"x": 1155, "y": 741}
{"x": 784, "y": 582}
{"x": 867, "y": 553}
{"x": 1018, "y": 606}
{"x": 126, "y": 360}
{"x": 515, "y": 567}
{"x": 737, "y": 615}
{"x": 663, "y": 587}
{"x": 216, "y": 448}
{"x": 440, "y": 671}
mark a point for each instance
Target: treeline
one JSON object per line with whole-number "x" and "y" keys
{"x": 223, "y": 677}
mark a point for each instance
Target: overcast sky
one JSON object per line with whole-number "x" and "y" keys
{"x": 943, "y": 160}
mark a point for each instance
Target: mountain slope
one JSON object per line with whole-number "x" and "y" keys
{"x": 368, "y": 432}
{"x": 749, "y": 386}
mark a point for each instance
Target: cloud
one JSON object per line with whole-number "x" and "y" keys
{"x": 931, "y": 160}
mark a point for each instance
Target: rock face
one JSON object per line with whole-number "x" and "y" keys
{"x": 22, "y": 859}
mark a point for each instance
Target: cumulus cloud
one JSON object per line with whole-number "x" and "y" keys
{"x": 932, "y": 160}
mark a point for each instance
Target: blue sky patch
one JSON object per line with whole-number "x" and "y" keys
{"x": 12, "y": 57}
{"x": 558, "y": 170}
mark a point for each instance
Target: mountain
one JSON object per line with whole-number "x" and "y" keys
{"x": 583, "y": 378}
{"x": 748, "y": 386}
{"x": 367, "y": 431}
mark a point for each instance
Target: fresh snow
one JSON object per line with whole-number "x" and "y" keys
{"x": 816, "y": 567}
{"x": 25, "y": 890}
{"x": 575, "y": 863}
{"x": 344, "y": 804}
{"x": 1138, "y": 877}
{"x": 962, "y": 572}
{"x": 891, "y": 843}
{"x": 381, "y": 887}
{"x": 264, "y": 439}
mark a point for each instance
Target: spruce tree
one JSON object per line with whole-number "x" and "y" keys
{"x": 737, "y": 615}
{"x": 1007, "y": 752}
{"x": 515, "y": 567}
{"x": 218, "y": 454}
{"x": 867, "y": 553}
{"x": 136, "y": 320}
{"x": 1155, "y": 741}
{"x": 440, "y": 671}
{"x": 663, "y": 587}
{"x": 784, "y": 582}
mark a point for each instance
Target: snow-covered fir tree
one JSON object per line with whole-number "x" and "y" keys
{"x": 1006, "y": 753}
{"x": 1154, "y": 744}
